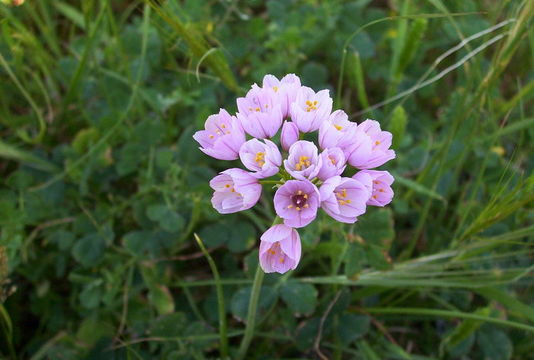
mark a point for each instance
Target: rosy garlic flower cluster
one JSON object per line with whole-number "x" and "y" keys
{"x": 310, "y": 175}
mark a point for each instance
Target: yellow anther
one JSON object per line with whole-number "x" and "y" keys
{"x": 381, "y": 190}
{"x": 308, "y": 163}
{"x": 228, "y": 132}
{"x": 233, "y": 190}
{"x": 376, "y": 182}
{"x": 306, "y": 206}
{"x": 223, "y": 126}
{"x": 311, "y": 105}
{"x": 289, "y": 206}
{"x": 332, "y": 160}
{"x": 266, "y": 106}
{"x": 298, "y": 166}
{"x": 297, "y": 208}
{"x": 305, "y": 196}
{"x": 272, "y": 252}
{"x": 250, "y": 109}
{"x": 377, "y": 142}
{"x": 347, "y": 201}
{"x": 275, "y": 88}
{"x": 257, "y": 109}
{"x": 374, "y": 196}
{"x": 260, "y": 158}
{"x": 227, "y": 185}
{"x": 299, "y": 192}
{"x": 338, "y": 127}
{"x": 281, "y": 260}
{"x": 212, "y": 136}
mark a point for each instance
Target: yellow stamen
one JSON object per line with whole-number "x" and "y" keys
{"x": 223, "y": 126}
{"x": 257, "y": 109}
{"x": 281, "y": 260}
{"x": 338, "y": 127}
{"x": 377, "y": 142}
{"x": 289, "y": 206}
{"x": 297, "y": 208}
{"x": 212, "y": 136}
{"x": 376, "y": 182}
{"x": 299, "y": 192}
{"x": 275, "y": 88}
{"x": 260, "y": 158}
{"x": 311, "y": 105}
{"x": 381, "y": 190}
{"x": 305, "y": 196}
{"x": 272, "y": 252}
{"x": 306, "y": 206}
{"x": 332, "y": 160}
{"x": 374, "y": 196}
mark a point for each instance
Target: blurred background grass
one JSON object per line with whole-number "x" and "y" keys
{"x": 103, "y": 187}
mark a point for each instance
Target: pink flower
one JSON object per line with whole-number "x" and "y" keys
{"x": 235, "y": 190}
{"x": 379, "y": 185}
{"x": 303, "y": 161}
{"x": 380, "y": 143}
{"x": 222, "y": 137}
{"x": 262, "y": 157}
{"x": 297, "y": 202}
{"x": 310, "y": 109}
{"x": 337, "y": 131}
{"x": 260, "y": 112}
{"x": 343, "y": 198}
{"x": 285, "y": 89}
{"x": 333, "y": 163}
{"x": 280, "y": 249}
{"x": 289, "y": 134}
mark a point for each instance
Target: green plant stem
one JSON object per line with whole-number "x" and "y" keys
{"x": 450, "y": 314}
{"x": 252, "y": 308}
{"x": 223, "y": 336}
{"x": 251, "y": 314}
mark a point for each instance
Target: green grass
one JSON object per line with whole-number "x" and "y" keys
{"x": 103, "y": 190}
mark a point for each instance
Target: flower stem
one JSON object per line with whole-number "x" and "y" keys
{"x": 223, "y": 336}
{"x": 251, "y": 315}
{"x": 253, "y": 307}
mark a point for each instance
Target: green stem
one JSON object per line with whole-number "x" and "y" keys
{"x": 252, "y": 309}
{"x": 270, "y": 182}
{"x": 251, "y": 315}
{"x": 223, "y": 336}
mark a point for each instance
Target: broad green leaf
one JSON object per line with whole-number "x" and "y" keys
{"x": 300, "y": 298}
{"x": 169, "y": 325}
{"x": 161, "y": 298}
{"x": 92, "y": 329}
{"x": 241, "y": 299}
{"x": 351, "y": 327}
{"x": 377, "y": 257}
{"x": 376, "y": 227}
{"x": 494, "y": 343}
{"x": 355, "y": 259}
{"x": 89, "y": 249}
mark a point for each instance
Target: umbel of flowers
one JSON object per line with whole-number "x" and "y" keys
{"x": 310, "y": 175}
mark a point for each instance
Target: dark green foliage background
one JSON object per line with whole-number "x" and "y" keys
{"x": 103, "y": 186}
